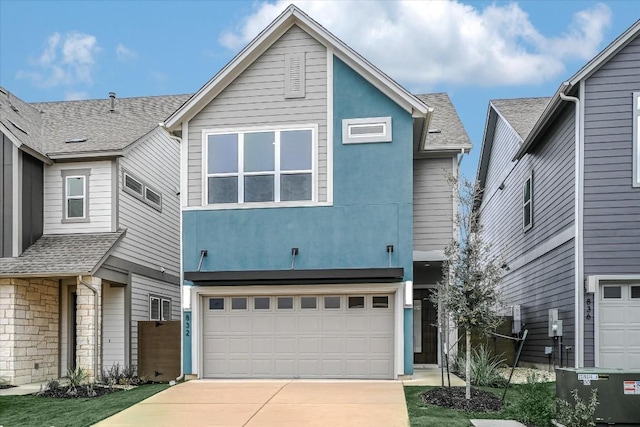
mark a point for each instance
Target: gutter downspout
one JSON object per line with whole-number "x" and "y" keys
{"x": 179, "y": 140}
{"x": 95, "y": 325}
{"x": 578, "y": 241}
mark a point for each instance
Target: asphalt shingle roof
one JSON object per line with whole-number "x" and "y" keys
{"x": 445, "y": 118}
{"x": 62, "y": 254}
{"x": 104, "y": 130}
{"x": 21, "y": 120}
{"x": 46, "y": 126}
{"x": 521, "y": 113}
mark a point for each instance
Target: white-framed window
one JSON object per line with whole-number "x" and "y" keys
{"x": 159, "y": 308}
{"x": 527, "y": 203}
{"x": 260, "y": 166}
{"x": 141, "y": 190}
{"x": 636, "y": 139}
{"x": 75, "y": 195}
{"x": 359, "y": 131}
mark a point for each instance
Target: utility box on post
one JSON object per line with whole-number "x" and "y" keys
{"x": 618, "y": 392}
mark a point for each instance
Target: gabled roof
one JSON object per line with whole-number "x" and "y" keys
{"x": 43, "y": 128}
{"x": 520, "y": 113}
{"x": 294, "y": 16}
{"x": 569, "y": 85}
{"x": 62, "y": 255}
{"x": 446, "y": 131}
{"x": 103, "y": 129}
{"x": 21, "y": 123}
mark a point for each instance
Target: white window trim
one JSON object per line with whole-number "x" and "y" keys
{"x": 529, "y": 179}
{"x": 636, "y": 139}
{"x": 248, "y": 205}
{"x": 348, "y": 124}
{"x": 75, "y": 173}
{"x": 161, "y": 301}
{"x": 142, "y": 197}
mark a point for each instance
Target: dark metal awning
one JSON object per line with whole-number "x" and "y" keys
{"x": 296, "y": 277}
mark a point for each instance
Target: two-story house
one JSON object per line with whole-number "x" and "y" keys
{"x": 561, "y": 201}
{"x": 89, "y": 225}
{"x": 314, "y": 201}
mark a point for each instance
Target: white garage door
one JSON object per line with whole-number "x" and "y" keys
{"x": 619, "y": 335}
{"x": 302, "y": 336}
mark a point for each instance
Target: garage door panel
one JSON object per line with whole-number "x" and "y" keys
{"x": 306, "y": 341}
{"x": 241, "y": 345}
{"x": 619, "y": 327}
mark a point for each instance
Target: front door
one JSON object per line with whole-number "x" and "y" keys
{"x": 425, "y": 333}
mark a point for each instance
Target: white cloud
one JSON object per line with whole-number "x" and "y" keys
{"x": 424, "y": 43}
{"x": 66, "y": 60}
{"x": 75, "y": 95}
{"x": 125, "y": 54}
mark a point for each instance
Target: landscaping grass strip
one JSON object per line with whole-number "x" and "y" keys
{"x": 34, "y": 411}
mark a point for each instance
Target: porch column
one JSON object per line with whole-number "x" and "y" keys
{"x": 89, "y": 326}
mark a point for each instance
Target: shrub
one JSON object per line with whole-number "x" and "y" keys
{"x": 484, "y": 367}
{"x": 535, "y": 405}
{"x": 580, "y": 415}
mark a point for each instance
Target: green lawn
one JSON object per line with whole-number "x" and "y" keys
{"x": 421, "y": 415}
{"x": 33, "y": 411}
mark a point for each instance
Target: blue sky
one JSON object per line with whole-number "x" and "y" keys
{"x": 475, "y": 51}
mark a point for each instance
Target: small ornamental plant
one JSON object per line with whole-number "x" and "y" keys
{"x": 581, "y": 414}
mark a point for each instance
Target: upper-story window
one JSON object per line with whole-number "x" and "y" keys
{"x": 260, "y": 166}
{"x": 527, "y": 203}
{"x": 636, "y": 139}
{"x": 75, "y": 195}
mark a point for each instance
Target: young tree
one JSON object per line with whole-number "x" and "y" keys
{"x": 470, "y": 295}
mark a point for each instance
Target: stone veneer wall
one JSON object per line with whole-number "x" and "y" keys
{"x": 86, "y": 349}
{"x": 29, "y": 327}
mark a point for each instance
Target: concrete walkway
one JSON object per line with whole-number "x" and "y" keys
{"x": 432, "y": 377}
{"x": 270, "y": 403}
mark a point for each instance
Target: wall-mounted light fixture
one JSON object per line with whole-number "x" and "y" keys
{"x": 408, "y": 294}
{"x": 203, "y": 253}
{"x": 501, "y": 186}
{"x": 389, "y": 252}
{"x": 294, "y": 253}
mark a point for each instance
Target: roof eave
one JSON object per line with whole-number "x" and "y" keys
{"x": 84, "y": 155}
{"x": 24, "y": 147}
{"x": 292, "y": 15}
{"x": 43, "y": 275}
{"x": 541, "y": 124}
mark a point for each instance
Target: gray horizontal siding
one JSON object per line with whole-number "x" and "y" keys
{"x": 432, "y": 204}
{"x": 141, "y": 288}
{"x": 543, "y": 284}
{"x": 256, "y": 98}
{"x": 153, "y": 237}
{"x": 611, "y": 204}
{"x": 552, "y": 165}
{"x": 547, "y": 281}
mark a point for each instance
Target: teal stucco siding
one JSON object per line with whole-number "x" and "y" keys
{"x": 372, "y": 207}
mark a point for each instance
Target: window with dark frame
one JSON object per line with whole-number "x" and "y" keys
{"x": 527, "y": 203}
{"x": 159, "y": 308}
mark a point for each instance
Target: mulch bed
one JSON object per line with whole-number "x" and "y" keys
{"x": 454, "y": 398}
{"x": 81, "y": 392}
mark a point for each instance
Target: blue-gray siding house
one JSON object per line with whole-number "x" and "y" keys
{"x": 89, "y": 232}
{"x": 561, "y": 202}
{"x": 307, "y": 244}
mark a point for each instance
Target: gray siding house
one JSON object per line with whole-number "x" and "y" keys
{"x": 89, "y": 225}
{"x": 561, "y": 203}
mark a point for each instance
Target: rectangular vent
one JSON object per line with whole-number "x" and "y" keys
{"x": 133, "y": 184}
{"x": 294, "y": 80}
{"x": 152, "y": 197}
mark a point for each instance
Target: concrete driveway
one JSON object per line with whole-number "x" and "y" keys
{"x": 296, "y": 403}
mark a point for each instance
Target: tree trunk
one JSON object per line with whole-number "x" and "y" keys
{"x": 467, "y": 367}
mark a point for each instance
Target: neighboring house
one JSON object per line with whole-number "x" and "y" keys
{"x": 561, "y": 201}
{"x": 314, "y": 201}
{"x": 89, "y": 225}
